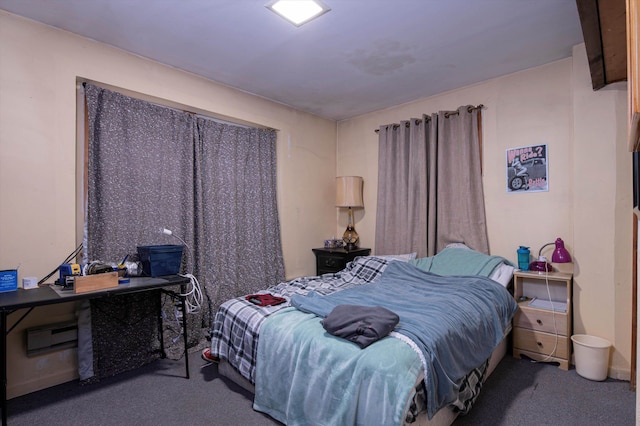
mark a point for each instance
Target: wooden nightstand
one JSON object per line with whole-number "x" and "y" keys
{"x": 329, "y": 261}
{"x": 540, "y": 333}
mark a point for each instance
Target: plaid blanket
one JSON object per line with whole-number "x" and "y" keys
{"x": 469, "y": 391}
{"x": 237, "y": 322}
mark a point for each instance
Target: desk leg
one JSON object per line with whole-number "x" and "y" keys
{"x": 163, "y": 352}
{"x": 183, "y": 290}
{"x": 3, "y": 350}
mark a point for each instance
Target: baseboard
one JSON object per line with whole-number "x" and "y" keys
{"x": 619, "y": 374}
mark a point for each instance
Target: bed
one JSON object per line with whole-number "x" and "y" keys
{"x": 417, "y": 374}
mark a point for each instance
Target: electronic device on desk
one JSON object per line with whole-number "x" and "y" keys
{"x": 68, "y": 272}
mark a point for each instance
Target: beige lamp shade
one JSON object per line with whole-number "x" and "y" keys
{"x": 349, "y": 191}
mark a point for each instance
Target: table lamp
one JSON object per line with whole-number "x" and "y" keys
{"x": 561, "y": 259}
{"x": 560, "y": 254}
{"x": 349, "y": 194}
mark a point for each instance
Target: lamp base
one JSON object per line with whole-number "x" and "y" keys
{"x": 350, "y": 238}
{"x": 540, "y": 266}
{"x": 350, "y": 247}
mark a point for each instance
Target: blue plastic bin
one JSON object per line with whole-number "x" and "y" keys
{"x": 160, "y": 260}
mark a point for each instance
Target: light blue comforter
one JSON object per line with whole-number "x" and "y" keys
{"x": 455, "y": 321}
{"x": 305, "y": 376}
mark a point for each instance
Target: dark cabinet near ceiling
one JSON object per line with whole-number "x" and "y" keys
{"x": 329, "y": 261}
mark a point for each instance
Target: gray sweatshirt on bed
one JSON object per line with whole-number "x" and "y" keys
{"x": 361, "y": 325}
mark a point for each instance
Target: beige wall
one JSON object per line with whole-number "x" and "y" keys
{"x": 589, "y": 199}
{"x": 602, "y": 214}
{"x": 39, "y": 66}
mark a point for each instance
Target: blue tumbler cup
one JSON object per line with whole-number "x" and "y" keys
{"x": 523, "y": 258}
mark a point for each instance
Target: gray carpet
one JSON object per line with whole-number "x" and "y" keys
{"x": 518, "y": 393}
{"x": 157, "y": 394}
{"x": 524, "y": 393}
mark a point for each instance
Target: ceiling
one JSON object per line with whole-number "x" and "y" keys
{"x": 362, "y": 56}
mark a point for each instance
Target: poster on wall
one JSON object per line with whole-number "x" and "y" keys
{"x": 527, "y": 169}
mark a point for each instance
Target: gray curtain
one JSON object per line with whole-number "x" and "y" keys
{"x": 238, "y": 228}
{"x": 213, "y": 184}
{"x": 430, "y": 184}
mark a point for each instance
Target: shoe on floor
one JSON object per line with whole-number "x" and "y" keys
{"x": 206, "y": 355}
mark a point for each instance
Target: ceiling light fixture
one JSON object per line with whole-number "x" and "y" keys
{"x": 298, "y": 12}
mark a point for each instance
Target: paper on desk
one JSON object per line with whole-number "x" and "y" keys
{"x": 546, "y": 304}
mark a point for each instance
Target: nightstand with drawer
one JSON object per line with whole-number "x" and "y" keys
{"x": 329, "y": 261}
{"x": 540, "y": 332}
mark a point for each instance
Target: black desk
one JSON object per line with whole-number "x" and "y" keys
{"x": 30, "y": 299}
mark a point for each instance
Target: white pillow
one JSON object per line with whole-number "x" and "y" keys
{"x": 401, "y": 257}
{"x": 458, "y": 245}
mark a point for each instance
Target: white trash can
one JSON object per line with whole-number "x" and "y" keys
{"x": 592, "y": 356}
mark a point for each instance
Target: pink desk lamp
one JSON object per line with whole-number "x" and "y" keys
{"x": 560, "y": 255}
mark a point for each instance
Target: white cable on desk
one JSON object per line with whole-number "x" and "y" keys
{"x": 193, "y": 296}
{"x": 192, "y": 301}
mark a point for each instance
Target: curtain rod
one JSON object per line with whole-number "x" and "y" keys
{"x": 428, "y": 118}
{"x": 177, "y": 107}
